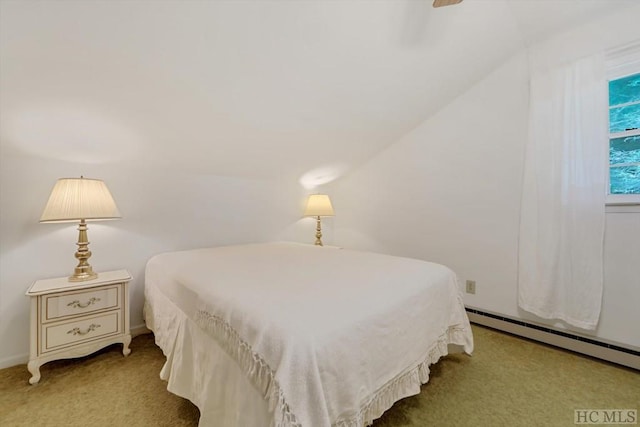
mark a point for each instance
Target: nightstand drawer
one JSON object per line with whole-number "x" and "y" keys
{"x": 56, "y": 306}
{"x": 60, "y": 334}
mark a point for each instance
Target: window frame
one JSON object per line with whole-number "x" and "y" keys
{"x": 620, "y": 64}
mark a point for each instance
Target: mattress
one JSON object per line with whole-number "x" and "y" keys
{"x": 286, "y": 334}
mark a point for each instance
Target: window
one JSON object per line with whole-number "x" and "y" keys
{"x": 624, "y": 133}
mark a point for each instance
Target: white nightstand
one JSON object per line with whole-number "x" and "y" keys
{"x": 74, "y": 319}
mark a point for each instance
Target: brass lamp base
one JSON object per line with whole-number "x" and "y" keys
{"x": 318, "y": 232}
{"x": 83, "y": 270}
{"x": 82, "y": 276}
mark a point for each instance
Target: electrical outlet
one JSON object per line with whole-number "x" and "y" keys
{"x": 471, "y": 286}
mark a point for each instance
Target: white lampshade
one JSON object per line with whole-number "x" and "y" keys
{"x": 319, "y": 205}
{"x": 74, "y": 199}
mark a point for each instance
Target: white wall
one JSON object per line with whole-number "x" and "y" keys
{"x": 162, "y": 210}
{"x": 449, "y": 191}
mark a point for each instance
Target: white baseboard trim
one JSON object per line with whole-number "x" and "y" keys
{"x": 139, "y": 330}
{"x": 611, "y": 352}
{"x": 22, "y": 359}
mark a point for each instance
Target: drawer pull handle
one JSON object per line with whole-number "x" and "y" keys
{"x": 77, "y": 331}
{"x": 77, "y": 304}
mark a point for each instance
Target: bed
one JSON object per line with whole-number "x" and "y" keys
{"x": 287, "y": 334}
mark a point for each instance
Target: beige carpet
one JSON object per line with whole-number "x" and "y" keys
{"x": 508, "y": 382}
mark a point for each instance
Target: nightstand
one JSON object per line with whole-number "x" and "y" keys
{"x": 74, "y": 319}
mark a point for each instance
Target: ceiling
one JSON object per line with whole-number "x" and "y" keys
{"x": 248, "y": 88}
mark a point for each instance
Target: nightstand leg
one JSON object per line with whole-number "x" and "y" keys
{"x": 125, "y": 345}
{"x": 34, "y": 368}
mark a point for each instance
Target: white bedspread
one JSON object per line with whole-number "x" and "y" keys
{"x": 329, "y": 337}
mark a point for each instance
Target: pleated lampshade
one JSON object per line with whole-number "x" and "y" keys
{"x": 319, "y": 205}
{"x": 74, "y": 199}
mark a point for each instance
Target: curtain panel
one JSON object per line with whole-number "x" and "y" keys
{"x": 560, "y": 262}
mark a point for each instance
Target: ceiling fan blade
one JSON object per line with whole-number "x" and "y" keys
{"x": 440, "y": 3}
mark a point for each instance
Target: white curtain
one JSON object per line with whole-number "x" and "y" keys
{"x": 560, "y": 266}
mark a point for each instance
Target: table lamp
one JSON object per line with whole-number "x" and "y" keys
{"x": 80, "y": 199}
{"x": 318, "y": 205}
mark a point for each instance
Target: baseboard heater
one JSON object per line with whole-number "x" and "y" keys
{"x": 608, "y": 351}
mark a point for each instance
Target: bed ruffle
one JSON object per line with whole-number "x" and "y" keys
{"x": 252, "y": 364}
{"x": 264, "y": 379}
{"x": 407, "y": 384}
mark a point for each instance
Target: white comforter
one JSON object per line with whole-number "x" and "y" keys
{"x": 329, "y": 337}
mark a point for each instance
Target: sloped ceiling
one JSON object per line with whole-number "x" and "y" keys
{"x": 248, "y": 88}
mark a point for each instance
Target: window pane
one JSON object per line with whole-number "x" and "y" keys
{"x": 624, "y": 90}
{"x": 624, "y": 150}
{"x": 625, "y": 180}
{"x": 624, "y": 118}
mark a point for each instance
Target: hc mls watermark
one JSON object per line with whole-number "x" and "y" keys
{"x": 605, "y": 416}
